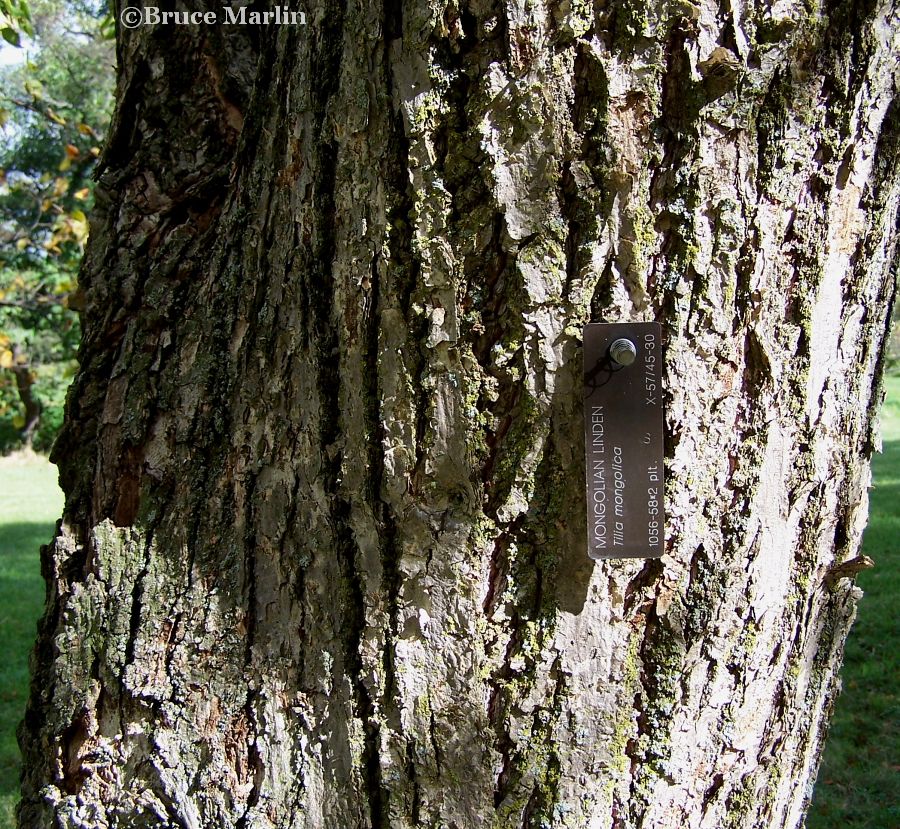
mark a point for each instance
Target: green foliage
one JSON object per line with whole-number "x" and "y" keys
{"x": 15, "y": 20}
{"x": 39, "y": 334}
{"x": 55, "y": 111}
{"x": 893, "y": 349}
{"x": 858, "y": 785}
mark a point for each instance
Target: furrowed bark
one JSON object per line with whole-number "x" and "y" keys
{"x": 322, "y": 562}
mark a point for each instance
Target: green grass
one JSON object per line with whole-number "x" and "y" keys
{"x": 30, "y": 503}
{"x": 859, "y": 782}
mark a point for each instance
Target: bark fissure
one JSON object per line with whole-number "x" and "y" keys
{"x": 329, "y": 382}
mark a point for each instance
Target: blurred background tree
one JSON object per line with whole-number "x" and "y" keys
{"x": 55, "y": 102}
{"x": 893, "y": 352}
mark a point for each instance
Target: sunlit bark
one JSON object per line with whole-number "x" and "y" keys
{"x": 323, "y": 557}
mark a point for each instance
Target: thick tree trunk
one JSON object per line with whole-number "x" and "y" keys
{"x": 323, "y": 559}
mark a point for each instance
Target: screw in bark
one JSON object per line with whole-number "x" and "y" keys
{"x": 623, "y": 352}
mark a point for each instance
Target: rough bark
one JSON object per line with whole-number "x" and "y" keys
{"x": 322, "y": 562}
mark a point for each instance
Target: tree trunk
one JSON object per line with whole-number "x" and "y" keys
{"x": 323, "y": 559}
{"x": 31, "y": 406}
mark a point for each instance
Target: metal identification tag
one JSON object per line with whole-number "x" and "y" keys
{"x": 623, "y": 432}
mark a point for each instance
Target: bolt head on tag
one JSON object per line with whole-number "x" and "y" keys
{"x": 623, "y": 351}
{"x": 623, "y": 428}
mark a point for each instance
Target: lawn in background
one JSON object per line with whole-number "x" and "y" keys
{"x": 858, "y": 786}
{"x": 30, "y": 503}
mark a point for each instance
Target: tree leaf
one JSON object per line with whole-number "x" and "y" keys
{"x": 10, "y": 35}
{"x": 108, "y": 27}
{"x": 34, "y": 88}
